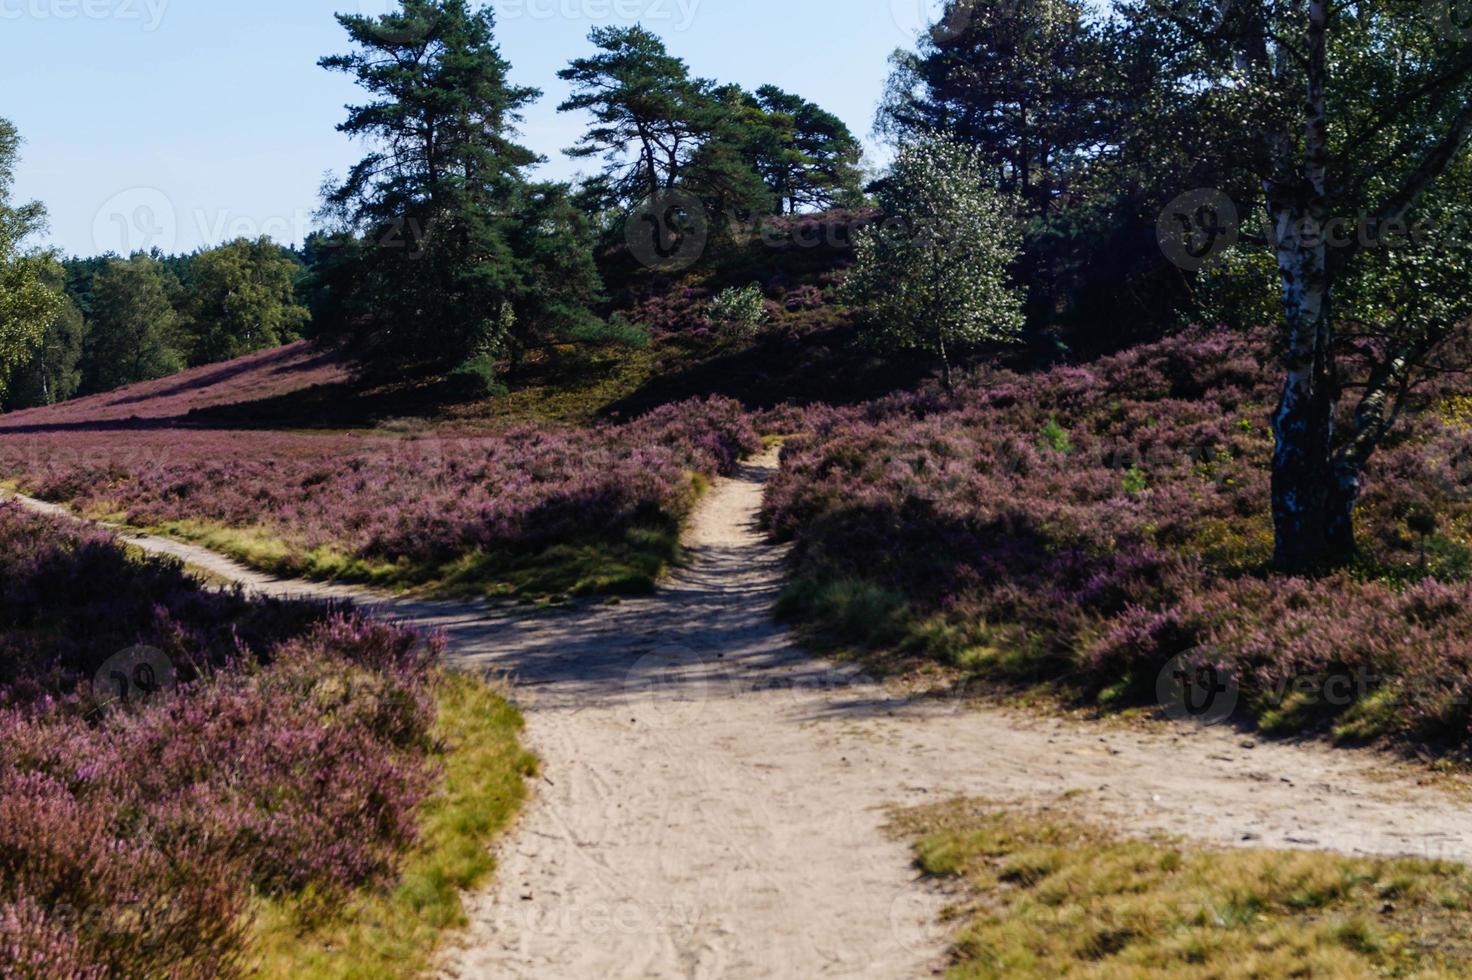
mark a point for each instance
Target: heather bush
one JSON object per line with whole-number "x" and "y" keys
{"x": 290, "y": 760}
{"x": 408, "y": 507}
{"x": 1091, "y": 523}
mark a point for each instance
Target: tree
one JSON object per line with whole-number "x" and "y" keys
{"x": 649, "y": 115}
{"x": 725, "y": 169}
{"x": 134, "y": 333}
{"x": 424, "y": 273}
{"x": 1025, "y": 83}
{"x": 554, "y": 244}
{"x": 935, "y": 274}
{"x": 240, "y": 298}
{"x": 28, "y": 302}
{"x": 1063, "y": 106}
{"x": 814, "y": 161}
{"x": 1350, "y": 118}
{"x": 52, "y": 372}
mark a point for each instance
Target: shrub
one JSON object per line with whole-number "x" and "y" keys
{"x": 1113, "y": 516}
{"x": 412, "y": 506}
{"x": 291, "y": 760}
{"x": 476, "y": 378}
{"x": 739, "y": 310}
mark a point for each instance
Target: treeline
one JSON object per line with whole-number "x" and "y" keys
{"x": 117, "y": 321}
{"x": 1262, "y": 161}
{"x": 440, "y": 253}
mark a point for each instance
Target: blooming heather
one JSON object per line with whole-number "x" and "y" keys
{"x": 291, "y": 760}
{"x": 1093, "y": 522}
{"x": 423, "y": 499}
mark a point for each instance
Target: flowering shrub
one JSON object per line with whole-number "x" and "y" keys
{"x": 291, "y": 760}
{"x": 1093, "y": 522}
{"x": 739, "y": 309}
{"x": 254, "y": 378}
{"x": 417, "y": 503}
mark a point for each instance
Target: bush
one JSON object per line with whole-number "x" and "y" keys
{"x": 1112, "y": 516}
{"x": 409, "y": 507}
{"x": 476, "y": 378}
{"x": 290, "y": 761}
{"x": 739, "y": 311}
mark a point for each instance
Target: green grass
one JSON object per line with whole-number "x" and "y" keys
{"x": 1044, "y": 895}
{"x": 628, "y": 565}
{"x": 393, "y": 934}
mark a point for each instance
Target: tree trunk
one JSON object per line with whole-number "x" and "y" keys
{"x": 1344, "y": 495}
{"x": 1304, "y": 484}
{"x": 1307, "y": 499}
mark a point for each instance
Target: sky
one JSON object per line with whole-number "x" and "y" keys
{"x": 186, "y": 123}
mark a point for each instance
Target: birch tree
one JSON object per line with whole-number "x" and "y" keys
{"x": 935, "y": 274}
{"x": 27, "y": 303}
{"x": 1350, "y": 117}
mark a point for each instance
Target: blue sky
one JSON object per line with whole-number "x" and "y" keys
{"x": 181, "y": 123}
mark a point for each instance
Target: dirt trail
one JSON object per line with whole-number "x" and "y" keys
{"x": 714, "y": 800}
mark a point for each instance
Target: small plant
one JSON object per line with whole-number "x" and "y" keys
{"x": 739, "y": 310}
{"x": 1056, "y": 438}
{"x": 477, "y": 377}
{"x": 1136, "y": 481}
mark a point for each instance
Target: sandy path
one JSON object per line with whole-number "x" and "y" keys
{"x": 713, "y": 799}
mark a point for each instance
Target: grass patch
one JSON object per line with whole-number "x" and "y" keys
{"x": 1047, "y": 895}
{"x": 631, "y": 564}
{"x": 393, "y": 934}
{"x": 849, "y": 610}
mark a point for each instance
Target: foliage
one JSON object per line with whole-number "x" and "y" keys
{"x": 241, "y": 297}
{"x": 291, "y": 760}
{"x": 1052, "y": 895}
{"x": 266, "y": 378}
{"x": 533, "y": 507}
{"x": 814, "y": 162}
{"x": 739, "y": 309}
{"x": 1300, "y": 98}
{"x": 659, "y": 129}
{"x": 1024, "y": 83}
{"x": 1065, "y": 109}
{"x": 438, "y": 227}
{"x": 935, "y": 274}
{"x": 52, "y": 371}
{"x": 1093, "y": 569}
{"x": 648, "y": 112}
{"x": 391, "y": 933}
{"x": 135, "y": 333}
{"x": 28, "y": 303}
